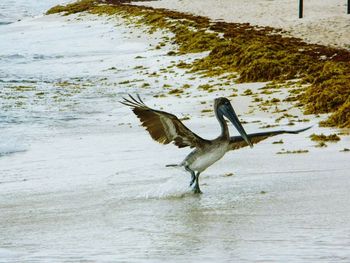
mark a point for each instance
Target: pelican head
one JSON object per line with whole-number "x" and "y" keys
{"x": 223, "y": 107}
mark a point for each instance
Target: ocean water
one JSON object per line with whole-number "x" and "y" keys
{"x": 15, "y": 10}
{"x": 81, "y": 181}
{"x": 12, "y": 11}
{"x": 51, "y": 72}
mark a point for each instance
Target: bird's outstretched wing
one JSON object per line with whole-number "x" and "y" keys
{"x": 237, "y": 142}
{"x": 162, "y": 126}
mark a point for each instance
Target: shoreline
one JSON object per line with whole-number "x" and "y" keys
{"x": 254, "y": 53}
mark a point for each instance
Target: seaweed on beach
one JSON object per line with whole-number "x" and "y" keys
{"x": 324, "y": 138}
{"x": 255, "y": 53}
{"x": 76, "y": 7}
{"x": 292, "y": 152}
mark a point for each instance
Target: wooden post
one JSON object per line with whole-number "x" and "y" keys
{"x": 301, "y": 8}
{"x": 348, "y": 6}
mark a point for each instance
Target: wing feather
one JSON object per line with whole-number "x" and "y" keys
{"x": 237, "y": 142}
{"x": 162, "y": 126}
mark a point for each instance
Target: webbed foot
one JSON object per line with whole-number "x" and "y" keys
{"x": 197, "y": 190}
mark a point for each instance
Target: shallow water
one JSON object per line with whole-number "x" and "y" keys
{"x": 16, "y": 10}
{"x": 53, "y": 76}
{"x": 77, "y": 185}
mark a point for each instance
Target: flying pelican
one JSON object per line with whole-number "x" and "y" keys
{"x": 165, "y": 128}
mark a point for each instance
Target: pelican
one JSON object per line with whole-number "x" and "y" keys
{"x": 165, "y": 128}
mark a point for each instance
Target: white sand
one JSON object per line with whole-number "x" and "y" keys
{"x": 324, "y": 22}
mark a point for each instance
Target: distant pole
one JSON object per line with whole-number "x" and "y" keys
{"x": 301, "y": 8}
{"x": 348, "y": 6}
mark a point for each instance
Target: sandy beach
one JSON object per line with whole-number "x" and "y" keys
{"x": 82, "y": 181}
{"x": 324, "y": 22}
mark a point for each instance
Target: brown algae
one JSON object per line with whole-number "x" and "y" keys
{"x": 293, "y": 152}
{"x": 324, "y": 138}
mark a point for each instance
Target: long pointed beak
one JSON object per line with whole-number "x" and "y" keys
{"x": 229, "y": 113}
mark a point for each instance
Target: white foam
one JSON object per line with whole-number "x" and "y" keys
{"x": 174, "y": 187}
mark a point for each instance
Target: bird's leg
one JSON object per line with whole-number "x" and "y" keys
{"x": 193, "y": 176}
{"x": 196, "y": 189}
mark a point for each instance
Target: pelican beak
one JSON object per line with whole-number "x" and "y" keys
{"x": 228, "y": 111}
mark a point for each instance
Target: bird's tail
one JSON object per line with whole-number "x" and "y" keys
{"x": 173, "y": 165}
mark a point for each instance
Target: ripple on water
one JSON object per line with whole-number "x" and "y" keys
{"x": 27, "y": 58}
{"x": 4, "y": 23}
{"x": 9, "y": 146}
{"x": 12, "y": 57}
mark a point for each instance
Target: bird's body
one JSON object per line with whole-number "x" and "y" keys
{"x": 165, "y": 128}
{"x": 201, "y": 158}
